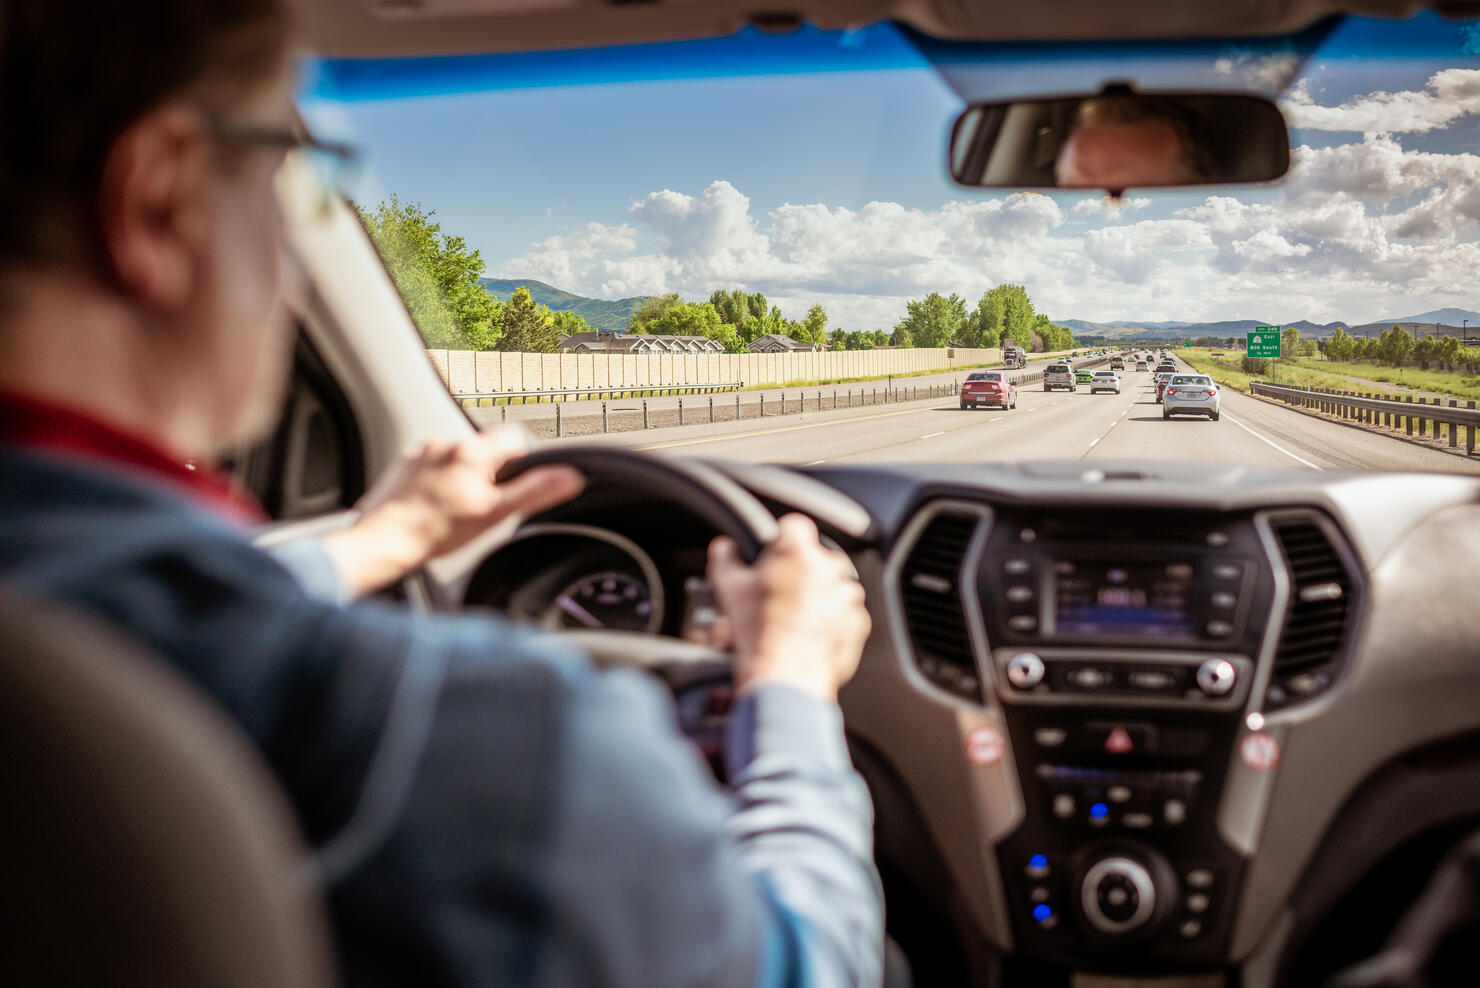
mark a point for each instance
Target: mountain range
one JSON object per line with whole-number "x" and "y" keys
{"x": 604, "y": 314}
{"x": 1423, "y": 324}
{"x": 612, "y": 315}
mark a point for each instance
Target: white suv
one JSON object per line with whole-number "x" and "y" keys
{"x": 1059, "y": 375}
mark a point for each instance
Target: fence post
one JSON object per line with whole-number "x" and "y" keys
{"x": 559, "y": 423}
{"x": 644, "y": 413}
{"x": 1470, "y": 435}
{"x": 1408, "y": 414}
{"x": 737, "y": 405}
{"x": 606, "y": 422}
{"x": 711, "y": 408}
{"x": 504, "y": 414}
{"x": 835, "y": 398}
{"x": 876, "y": 396}
{"x": 763, "y": 404}
{"x": 1453, "y": 427}
{"x": 680, "y": 412}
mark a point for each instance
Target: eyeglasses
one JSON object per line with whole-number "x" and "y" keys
{"x": 333, "y": 165}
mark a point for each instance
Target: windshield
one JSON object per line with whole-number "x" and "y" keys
{"x": 764, "y": 226}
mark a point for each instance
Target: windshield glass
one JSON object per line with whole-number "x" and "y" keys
{"x": 764, "y": 225}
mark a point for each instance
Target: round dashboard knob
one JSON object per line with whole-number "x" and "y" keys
{"x": 1025, "y": 670}
{"x": 1117, "y": 895}
{"x": 1216, "y": 677}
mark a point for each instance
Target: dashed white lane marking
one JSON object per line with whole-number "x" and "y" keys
{"x": 933, "y": 435}
{"x": 997, "y": 419}
{"x": 1093, "y": 441}
{"x": 1271, "y": 442}
{"x": 813, "y": 463}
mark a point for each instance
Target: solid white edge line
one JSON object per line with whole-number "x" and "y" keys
{"x": 813, "y": 463}
{"x": 1271, "y": 442}
{"x": 1093, "y": 441}
{"x": 933, "y": 435}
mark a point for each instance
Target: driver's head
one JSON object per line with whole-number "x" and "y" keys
{"x": 1119, "y": 142}
{"x": 138, "y": 223}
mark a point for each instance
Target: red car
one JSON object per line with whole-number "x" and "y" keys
{"x": 989, "y": 388}
{"x": 1162, "y": 377}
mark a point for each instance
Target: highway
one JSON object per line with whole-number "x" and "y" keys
{"x": 583, "y": 418}
{"x": 1056, "y": 425}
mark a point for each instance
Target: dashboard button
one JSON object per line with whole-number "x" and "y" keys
{"x": 1018, "y": 566}
{"x": 1063, "y": 806}
{"x": 1050, "y": 737}
{"x": 1228, "y": 571}
{"x": 1025, "y": 670}
{"x": 1216, "y": 677}
{"x": 1200, "y": 878}
{"x": 1020, "y": 595}
{"x": 1120, "y": 739}
{"x": 1088, "y": 678}
{"x": 1189, "y": 930}
{"x": 1224, "y": 600}
{"x": 1037, "y": 866}
{"x": 1174, "y": 812}
{"x": 1197, "y": 903}
{"x": 1039, "y": 893}
{"x": 1152, "y": 680}
{"x": 1022, "y": 622}
{"x": 1137, "y": 821}
{"x": 1118, "y": 794}
{"x": 1220, "y": 629}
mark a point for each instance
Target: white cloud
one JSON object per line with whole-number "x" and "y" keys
{"x": 1266, "y": 70}
{"x": 1449, "y": 95}
{"x": 1107, "y": 208}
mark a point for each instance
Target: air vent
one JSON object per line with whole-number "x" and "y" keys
{"x": 929, "y": 585}
{"x": 1319, "y": 613}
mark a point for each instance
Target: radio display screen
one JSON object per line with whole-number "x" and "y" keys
{"x": 1150, "y": 599}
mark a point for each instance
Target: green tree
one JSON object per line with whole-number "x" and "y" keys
{"x": 436, "y": 274}
{"x": 1450, "y": 349}
{"x": 528, "y": 326}
{"x": 1395, "y": 345}
{"x": 1426, "y": 350}
{"x": 1290, "y": 342}
{"x": 815, "y": 325}
{"x": 570, "y": 323}
{"x": 1340, "y": 346}
{"x": 653, "y": 310}
{"x": 933, "y": 321}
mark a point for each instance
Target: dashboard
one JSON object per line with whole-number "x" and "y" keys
{"x": 1109, "y": 717}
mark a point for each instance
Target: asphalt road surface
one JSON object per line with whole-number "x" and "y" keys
{"x": 1056, "y": 425}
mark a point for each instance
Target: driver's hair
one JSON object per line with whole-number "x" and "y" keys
{"x": 74, "y": 74}
{"x": 1193, "y": 139}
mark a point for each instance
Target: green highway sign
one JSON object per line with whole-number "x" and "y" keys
{"x": 1187, "y": 346}
{"x": 1264, "y": 341}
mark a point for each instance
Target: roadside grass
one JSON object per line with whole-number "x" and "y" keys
{"x": 1461, "y": 384}
{"x": 1229, "y": 372}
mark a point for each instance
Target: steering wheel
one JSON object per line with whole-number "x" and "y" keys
{"x": 702, "y": 491}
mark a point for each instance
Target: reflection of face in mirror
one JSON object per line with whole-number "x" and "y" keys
{"x": 1124, "y": 141}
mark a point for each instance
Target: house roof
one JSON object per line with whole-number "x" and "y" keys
{"x": 777, "y": 341}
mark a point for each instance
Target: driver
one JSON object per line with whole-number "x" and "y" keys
{"x": 1121, "y": 141}
{"x": 488, "y": 808}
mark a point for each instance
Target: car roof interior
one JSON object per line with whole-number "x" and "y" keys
{"x": 379, "y": 28}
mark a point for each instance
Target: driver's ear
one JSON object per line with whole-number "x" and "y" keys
{"x": 152, "y": 207}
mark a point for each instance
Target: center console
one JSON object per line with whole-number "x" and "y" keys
{"x": 1123, "y": 651}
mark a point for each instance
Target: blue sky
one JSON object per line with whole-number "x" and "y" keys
{"x": 828, "y": 184}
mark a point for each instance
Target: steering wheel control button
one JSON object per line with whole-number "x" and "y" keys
{"x": 1228, "y": 572}
{"x": 1119, "y": 794}
{"x": 1025, "y": 670}
{"x": 1137, "y": 821}
{"x": 1037, "y": 866}
{"x": 1019, "y": 595}
{"x": 1022, "y": 622}
{"x": 1099, "y": 815}
{"x": 1259, "y": 751}
{"x": 1223, "y": 600}
{"x": 1049, "y": 737}
{"x": 1219, "y": 629}
{"x": 1117, "y": 895}
{"x": 1190, "y": 930}
{"x": 1017, "y": 566}
{"x": 1200, "y": 878}
{"x": 1216, "y": 677}
{"x": 1039, "y": 894}
{"x": 985, "y": 745}
{"x": 1064, "y": 806}
{"x": 1197, "y": 903}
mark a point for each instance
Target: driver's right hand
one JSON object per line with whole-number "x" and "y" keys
{"x": 797, "y": 614}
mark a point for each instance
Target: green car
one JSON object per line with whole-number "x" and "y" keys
{"x": 1082, "y": 377}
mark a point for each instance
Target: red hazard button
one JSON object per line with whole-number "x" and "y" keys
{"x": 1120, "y": 738}
{"x": 985, "y": 745}
{"x": 1259, "y": 751}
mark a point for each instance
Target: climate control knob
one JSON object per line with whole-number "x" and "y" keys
{"x": 1025, "y": 670}
{"x": 1216, "y": 677}
{"x": 1117, "y": 895}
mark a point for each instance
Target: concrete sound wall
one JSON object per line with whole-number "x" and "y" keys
{"x": 465, "y": 371}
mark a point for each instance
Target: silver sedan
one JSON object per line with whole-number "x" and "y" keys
{"x": 1191, "y": 394}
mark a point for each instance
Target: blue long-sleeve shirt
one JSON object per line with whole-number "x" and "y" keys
{"x": 489, "y": 809}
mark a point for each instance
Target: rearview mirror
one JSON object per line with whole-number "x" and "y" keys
{"x": 1120, "y": 139}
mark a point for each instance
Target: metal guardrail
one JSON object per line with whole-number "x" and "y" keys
{"x": 554, "y": 393}
{"x": 1368, "y": 409}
